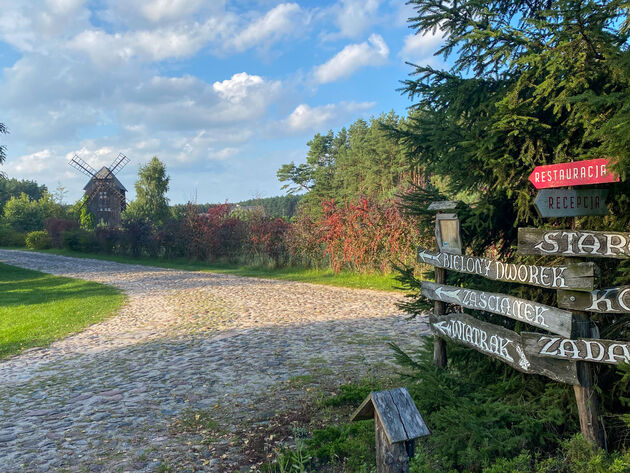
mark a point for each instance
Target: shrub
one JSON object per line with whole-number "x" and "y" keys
{"x": 79, "y": 240}
{"x": 139, "y": 237}
{"x": 267, "y": 237}
{"x": 38, "y": 240}
{"x": 304, "y": 242}
{"x": 366, "y": 235}
{"x": 56, "y": 226}
{"x": 107, "y": 239}
{"x": 171, "y": 239}
{"x": 10, "y": 237}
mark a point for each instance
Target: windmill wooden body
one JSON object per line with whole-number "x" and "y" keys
{"x": 104, "y": 193}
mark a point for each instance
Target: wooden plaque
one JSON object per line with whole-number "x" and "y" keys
{"x": 447, "y": 234}
{"x": 611, "y": 300}
{"x": 578, "y": 277}
{"x": 502, "y": 344}
{"x": 571, "y": 202}
{"x": 582, "y": 349}
{"x": 539, "y": 315}
{"x": 573, "y": 243}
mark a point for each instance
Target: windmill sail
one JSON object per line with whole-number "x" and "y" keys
{"x": 81, "y": 166}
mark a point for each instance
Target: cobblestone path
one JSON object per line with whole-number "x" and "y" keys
{"x": 102, "y": 400}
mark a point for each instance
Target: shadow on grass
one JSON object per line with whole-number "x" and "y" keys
{"x": 21, "y": 287}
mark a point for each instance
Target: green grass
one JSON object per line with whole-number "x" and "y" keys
{"x": 376, "y": 281}
{"x": 37, "y": 308}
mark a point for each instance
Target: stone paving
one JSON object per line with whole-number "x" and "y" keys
{"x": 102, "y": 400}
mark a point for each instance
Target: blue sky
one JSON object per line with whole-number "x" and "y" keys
{"x": 223, "y": 92}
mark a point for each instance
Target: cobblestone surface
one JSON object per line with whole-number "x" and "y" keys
{"x": 102, "y": 400}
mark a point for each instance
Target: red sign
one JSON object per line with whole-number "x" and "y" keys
{"x": 577, "y": 173}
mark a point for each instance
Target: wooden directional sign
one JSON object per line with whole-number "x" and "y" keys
{"x": 572, "y": 243}
{"x": 577, "y": 173}
{"x": 579, "y": 277}
{"x": 571, "y": 202}
{"x": 502, "y": 344}
{"x": 539, "y": 315}
{"x": 598, "y": 351}
{"x": 611, "y": 300}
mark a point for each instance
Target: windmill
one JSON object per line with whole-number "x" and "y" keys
{"x": 104, "y": 193}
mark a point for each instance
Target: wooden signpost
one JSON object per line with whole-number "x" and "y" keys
{"x": 592, "y": 350}
{"x": 577, "y": 173}
{"x": 612, "y": 300}
{"x": 571, "y": 202}
{"x": 579, "y": 277}
{"x": 539, "y": 315}
{"x": 500, "y": 343}
{"x": 573, "y": 243}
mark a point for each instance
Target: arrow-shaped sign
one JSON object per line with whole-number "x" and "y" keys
{"x": 577, "y": 173}
{"x": 424, "y": 256}
{"x": 441, "y": 292}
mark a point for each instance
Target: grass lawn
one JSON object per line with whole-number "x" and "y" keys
{"x": 322, "y": 276}
{"x": 37, "y": 308}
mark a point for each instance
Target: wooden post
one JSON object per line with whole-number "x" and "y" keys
{"x": 439, "y": 308}
{"x": 390, "y": 457}
{"x": 585, "y": 394}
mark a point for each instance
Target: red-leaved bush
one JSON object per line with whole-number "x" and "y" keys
{"x": 366, "y": 235}
{"x": 56, "y": 226}
{"x": 268, "y": 237}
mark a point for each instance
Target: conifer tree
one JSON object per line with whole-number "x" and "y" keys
{"x": 531, "y": 83}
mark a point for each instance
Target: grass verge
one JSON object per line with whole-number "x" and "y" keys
{"x": 37, "y": 308}
{"x": 380, "y": 282}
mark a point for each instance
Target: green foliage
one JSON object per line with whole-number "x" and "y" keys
{"x": 86, "y": 219}
{"x": 480, "y": 409}
{"x": 9, "y": 237}
{"x": 351, "y": 394}
{"x": 364, "y": 160}
{"x": 575, "y": 456}
{"x": 14, "y": 188}
{"x": 533, "y": 83}
{"x": 151, "y": 187}
{"x": 25, "y": 215}
{"x": 38, "y": 240}
{"x": 79, "y": 240}
{"x": 284, "y": 206}
{"x": 354, "y": 443}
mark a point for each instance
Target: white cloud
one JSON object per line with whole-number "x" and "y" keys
{"x": 420, "y": 48}
{"x": 353, "y": 17}
{"x": 158, "y": 10}
{"x": 31, "y": 26}
{"x": 236, "y": 88}
{"x": 281, "y": 21}
{"x": 310, "y": 118}
{"x": 37, "y": 162}
{"x": 109, "y": 50}
{"x": 373, "y": 52}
